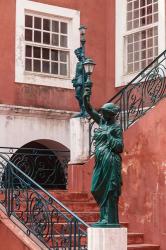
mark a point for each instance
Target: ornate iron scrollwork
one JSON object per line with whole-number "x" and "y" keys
{"x": 41, "y": 213}
{"x": 140, "y": 95}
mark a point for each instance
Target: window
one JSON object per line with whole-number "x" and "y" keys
{"x": 140, "y": 36}
{"x": 46, "y": 37}
{"x": 46, "y": 46}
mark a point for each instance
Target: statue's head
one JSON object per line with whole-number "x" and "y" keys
{"x": 79, "y": 52}
{"x": 110, "y": 109}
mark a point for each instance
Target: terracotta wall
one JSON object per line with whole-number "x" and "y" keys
{"x": 143, "y": 201}
{"x": 144, "y": 176}
{"x": 99, "y": 18}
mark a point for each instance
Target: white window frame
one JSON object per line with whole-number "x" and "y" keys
{"x": 73, "y": 18}
{"x": 122, "y": 79}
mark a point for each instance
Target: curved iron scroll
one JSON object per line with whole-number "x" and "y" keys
{"x": 41, "y": 213}
{"x": 47, "y": 167}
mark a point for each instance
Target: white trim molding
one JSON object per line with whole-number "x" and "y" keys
{"x": 20, "y": 125}
{"x": 73, "y": 19}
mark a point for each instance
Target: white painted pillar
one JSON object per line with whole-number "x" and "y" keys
{"x": 107, "y": 238}
{"x": 79, "y": 140}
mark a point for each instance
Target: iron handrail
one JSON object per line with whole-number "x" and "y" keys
{"x": 26, "y": 187}
{"x": 142, "y": 93}
{"x": 137, "y": 76}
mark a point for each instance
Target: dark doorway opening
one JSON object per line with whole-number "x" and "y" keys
{"x": 47, "y": 167}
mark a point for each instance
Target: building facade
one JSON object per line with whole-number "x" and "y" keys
{"x": 37, "y": 99}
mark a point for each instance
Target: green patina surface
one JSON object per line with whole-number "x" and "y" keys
{"x": 106, "y": 179}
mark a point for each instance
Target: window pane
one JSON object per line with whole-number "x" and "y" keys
{"x": 150, "y": 42}
{"x": 136, "y": 4}
{"x": 136, "y": 46}
{"x": 142, "y": 12}
{"x": 63, "y": 42}
{"x": 63, "y": 69}
{"x": 55, "y": 26}
{"x": 136, "y": 66}
{"x": 46, "y": 24}
{"x": 149, "y": 19}
{"x": 46, "y": 38}
{"x": 36, "y": 52}
{"x": 155, "y": 41}
{"x": 143, "y": 44}
{"x": 28, "y": 52}
{"x": 155, "y": 6}
{"x": 136, "y": 14}
{"x": 129, "y": 6}
{"x": 54, "y": 68}
{"x": 150, "y": 52}
{"x": 45, "y": 54}
{"x": 28, "y": 35}
{"x": 143, "y": 64}
{"x": 136, "y": 23}
{"x": 36, "y": 66}
{"x": 28, "y": 21}
{"x": 54, "y": 55}
{"x": 64, "y": 28}
{"x": 129, "y": 16}
{"x": 46, "y": 67}
{"x": 130, "y": 48}
{"x": 143, "y": 54}
{"x": 37, "y": 36}
{"x": 136, "y": 56}
{"x": 142, "y": 3}
{"x": 37, "y": 22}
{"x": 155, "y": 17}
{"x": 149, "y": 9}
{"x": 55, "y": 39}
{"x": 143, "y": 21}
{"x": 28, "y": 64}
{"x": 63, "y": 56}
{"x": 130, "y": 57}
{"x": 129, "y": 25}
{"x": 130, "y": 68}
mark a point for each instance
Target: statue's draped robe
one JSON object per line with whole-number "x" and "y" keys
{"x": 107, "y": 171}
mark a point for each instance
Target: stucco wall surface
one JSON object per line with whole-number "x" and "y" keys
{"x": 143, "y": 201}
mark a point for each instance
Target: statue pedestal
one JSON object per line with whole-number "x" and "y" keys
{"x": 79, "y": 140}
{"x": 107, "y": 238}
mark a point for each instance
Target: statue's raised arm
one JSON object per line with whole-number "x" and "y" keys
{"x": 90, "y": 110}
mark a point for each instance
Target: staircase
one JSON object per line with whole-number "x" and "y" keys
{"x": 85, "y": 207}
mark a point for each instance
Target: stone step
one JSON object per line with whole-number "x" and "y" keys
{"x": 135, "y": 238}
{"x": 143, "y": 247}
{"x": 71, "y": 197}
{"x": 82, "y": 206}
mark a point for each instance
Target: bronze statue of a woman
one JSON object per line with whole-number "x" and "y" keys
{"x": 106, "y": 179}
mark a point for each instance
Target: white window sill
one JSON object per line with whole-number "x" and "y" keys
{"x": 44, "y": 80}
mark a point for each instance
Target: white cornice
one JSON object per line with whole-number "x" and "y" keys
{"x": 13, "y": 110}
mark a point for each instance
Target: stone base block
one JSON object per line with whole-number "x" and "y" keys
{"x": 107, "y": 238}
{"x": 79, "y": 140}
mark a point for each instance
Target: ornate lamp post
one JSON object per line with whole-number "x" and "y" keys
{"x": 82, "y": 30}
{"x": 80, "y": 75}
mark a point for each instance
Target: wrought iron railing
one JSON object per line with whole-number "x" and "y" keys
{"x": 41, "y": 213}
{"x": 140, "y": 95}
{"x": 47, "y": 167}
